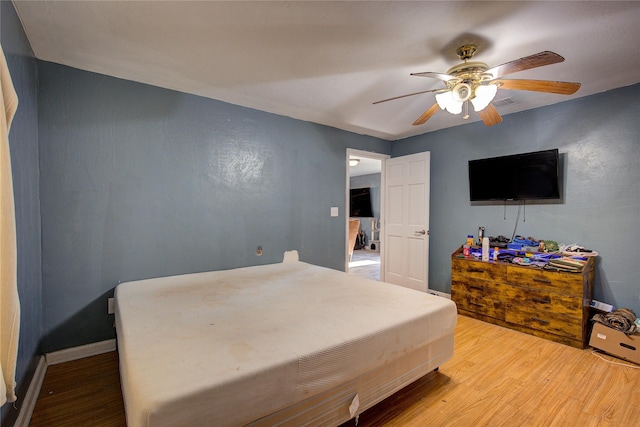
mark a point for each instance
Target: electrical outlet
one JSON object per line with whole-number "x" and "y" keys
{"x": 111, "y": 309}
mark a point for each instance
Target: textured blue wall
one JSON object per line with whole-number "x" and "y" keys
{"x": 599, "y": 142}
{"x": 140, "y": 182}
{"x": 23, "y": 140}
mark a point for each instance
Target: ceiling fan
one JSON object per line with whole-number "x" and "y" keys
{"x": 475, "y": 82}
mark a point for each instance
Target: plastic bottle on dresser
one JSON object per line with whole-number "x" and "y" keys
{"x": 485, "y": 249}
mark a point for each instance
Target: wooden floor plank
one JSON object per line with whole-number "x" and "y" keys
{"x": 497, "y": 377}
{"x": 84, "y": 392}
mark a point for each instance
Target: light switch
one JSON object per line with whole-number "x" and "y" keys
{"x": 334, "y": 211}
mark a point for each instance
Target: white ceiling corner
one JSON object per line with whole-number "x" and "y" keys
{"x": 327, "y": 62}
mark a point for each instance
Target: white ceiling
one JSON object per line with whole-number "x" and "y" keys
{"x": 326, "y": 62}
{"x": 365, "y": 166}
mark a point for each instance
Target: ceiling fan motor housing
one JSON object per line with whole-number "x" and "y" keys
{"x": 466, "y": 51}
{"x": 474, "y": 71}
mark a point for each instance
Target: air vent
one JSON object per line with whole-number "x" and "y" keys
{"x": 503, "y": 102}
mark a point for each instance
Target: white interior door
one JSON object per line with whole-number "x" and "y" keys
{"x": 406, "y": 225}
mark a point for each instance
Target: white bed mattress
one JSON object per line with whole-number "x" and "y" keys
{"x": 230, "y": 347}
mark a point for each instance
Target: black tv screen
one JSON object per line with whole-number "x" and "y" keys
{"x": 361, "y": 203}
{"x": 527, "y": 176}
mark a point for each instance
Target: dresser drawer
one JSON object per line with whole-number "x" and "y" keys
{"x": 481, "y": 305}
{"x": 479, "y": 270}
{"x": 477, "y": 295}
{"x": 558, "y": 324}
{"x": 547, "y": 311}
{"x": 540, "y": 301}
{"x": 531, "y": 277}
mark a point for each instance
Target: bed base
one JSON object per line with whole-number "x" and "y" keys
{"x": 337, "y": 405}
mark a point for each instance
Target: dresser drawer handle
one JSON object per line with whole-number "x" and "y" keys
{"x": 541, "y": 301}
{"x": 475, "y": 303}
{"x": 537, "y": 279}
{"x": 474, "y": 270}
{"x": 544, "y": 322}
{"x": 477, "y": 288}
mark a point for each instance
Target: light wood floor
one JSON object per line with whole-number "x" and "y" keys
{"x": 497, "y": 377}
{"x": 365, "y": 263}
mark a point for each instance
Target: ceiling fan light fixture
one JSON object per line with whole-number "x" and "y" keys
{"x": 446, "y": 101}
{"x": 484, "y": 94}
{"x": 455, "y": 107}
{"x": 461, "y": 92}
{"x": 443, "y": 99}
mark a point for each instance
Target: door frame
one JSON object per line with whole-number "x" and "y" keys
{"x": 368, "y": 155}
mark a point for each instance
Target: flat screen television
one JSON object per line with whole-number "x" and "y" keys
{"x": 360, "y": 205}
{"x": 527, "y": 176}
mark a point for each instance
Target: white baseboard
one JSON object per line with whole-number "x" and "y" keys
{"x": 75, "y": 353}
{"x": 30, "y": 399}
{"x": 66, "y": 355}
{"x": 438, "y": 293}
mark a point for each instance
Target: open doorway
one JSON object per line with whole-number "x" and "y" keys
{"x": 364, "y": 195}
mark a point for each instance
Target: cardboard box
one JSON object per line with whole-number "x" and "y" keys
{"x": 615, "y": 342}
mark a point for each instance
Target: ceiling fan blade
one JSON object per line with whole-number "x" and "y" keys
{"x": 439, "y": 76}
{"x": 426, "y": 115}
{"x": 526, "y": 63}
{"x": 410, "y": 94}
{"x": 562, "y": 88}
{"x": 490, "y": 115}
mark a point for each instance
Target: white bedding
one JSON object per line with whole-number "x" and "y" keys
{"x": 230, "y": 347}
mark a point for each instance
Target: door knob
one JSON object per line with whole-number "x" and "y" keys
{"x": 420, "y": 232}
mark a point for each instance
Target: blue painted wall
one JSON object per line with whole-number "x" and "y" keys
{"x": 139, "y": 182}
{"x": 599, "y": 142}
{"x": 23, "y": 140}
{"x": 373, "y": 182}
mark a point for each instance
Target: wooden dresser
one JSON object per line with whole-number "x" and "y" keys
{"x": 549, "y": 304}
